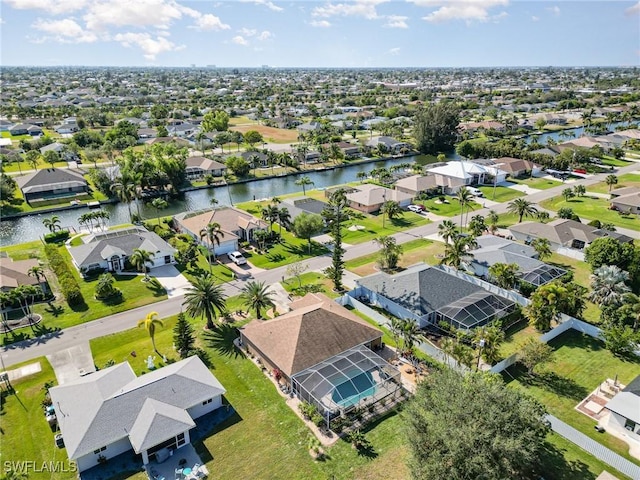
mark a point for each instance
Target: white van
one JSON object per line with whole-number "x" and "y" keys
{"x": 475, "y": 191}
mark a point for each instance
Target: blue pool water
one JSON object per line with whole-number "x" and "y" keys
{"x": 350, "y": 393}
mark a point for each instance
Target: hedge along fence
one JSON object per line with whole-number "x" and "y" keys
{"x": 68, "y": 284}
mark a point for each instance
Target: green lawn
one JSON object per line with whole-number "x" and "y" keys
{"x": 515, "y": 336}
{"x": 537, "y": 183}
{"x": 290, "y": 250}
{"x": 625, "y": 180}
{"x": 449, "y": 209}
{"x": 502, "y": 194}
{"x": 591, "y": 208}
{"x": 311, "y": 278}
{"x": 580, "y": 364}
{"x": 614, "y": 162}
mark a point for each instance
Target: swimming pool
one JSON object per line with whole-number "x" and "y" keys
{"x": 349, "y": 393}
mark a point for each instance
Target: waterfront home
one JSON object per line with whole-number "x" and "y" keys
{"x": 51, "y": 183}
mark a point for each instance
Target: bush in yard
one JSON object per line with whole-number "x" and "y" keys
{"x": 56, "y": 237}
{"x": 68, "y": 284}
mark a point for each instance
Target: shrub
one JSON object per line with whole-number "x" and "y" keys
{"x": 68, "y": 284}
{"x": 56, "y": 237}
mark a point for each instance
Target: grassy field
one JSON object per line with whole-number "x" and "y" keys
{"x": 415, "y": 251}
{"x": 449, "y": 209}
{"x": 537, "y": 183}
{"x": 502, "y": 194}
{"x": 291, "y": 250}
{"x": 311, "y": 278}
{"x": 270, "y": 134}
{"x": 515, "y": 336}
{"x": 592, "y": 208}
{"x": 580, "y": 364}
{"x": 625, "y": 180}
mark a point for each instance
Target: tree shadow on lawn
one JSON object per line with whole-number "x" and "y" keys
{"x": 221, "y": 339}
{"x": 550, "y": 381}
{"x": 576, "y": 340}
{"x": 554, "y": 466}
{"x": 303, "y": 250}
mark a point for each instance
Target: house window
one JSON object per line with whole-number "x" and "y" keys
{"x": 167, "y": 259}
{"x": 207, "y": 401}
{"x": 101, "y": 449}
{"x": 630, "y": 425}
{"x": 180, "y": 440}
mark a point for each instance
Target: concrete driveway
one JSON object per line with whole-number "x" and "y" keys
{"x": 242, "y": 271}
{"x": 72, "y": 363}
{"x": 171, "y": 279}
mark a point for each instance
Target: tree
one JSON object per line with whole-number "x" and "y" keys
{"x": 534, "y": 353}
{"x": 51, "y": 157}
{"x": 492, "y": 221}
{"x": 522, "y": 208}
{"x": 205, "y": 299}
{"x": 465, "y": 198}
{"x": 435, "y": 127}
{"x": 238, "y": 165}
{"x": 489, "y": 339}
{"x": 609, "y": 251}
{"x": 457, "y": 252}
{"x": 36, "y": 271}
{"x": 217, "y": 121}
{"x": 362, "y": 176}
{"x": 306, "y": 225}
{"x": 150, "y": 323}
{"x": 126, "y": 190}
{"x": 257, "y": 296}
{"x": 283, "y": 219}
{"x": 52, "y": 223}
{"x": 389, "y": 253}
{"x": 505, "y": 275}
{"x": 304, "y": 182}
{"x": 477, "y": 225}
{"x": 391, "y": 210}
{"x": 502, "y": 434}
{"x": 567, "y": 193}
{"x": 546, "y": 305}
{"x": 105, "y": 288}
{"x": 542, "y": 246}
{"x": 32, "y": 157}
{"x": 567, "y": 213}
{"x": 543, "y": 216}
{"x": 620, "y": 339}
{"x": 252, "y": 137}
{"x": 159, "y": 204}
{"x": 611, "y": 180}
{"x": 579, "y": 190}
{"x": 335, "y": 214}
{"x": 213, "y": 233}
{"x": 139, "y": 259}
{"x": 448, "y": 230}
{"x": 608, "y": 285}
{"x": 183, "y": 337}
{"x": 296, "y": 270}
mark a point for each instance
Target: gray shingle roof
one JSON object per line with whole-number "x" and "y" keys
{"x": 158, "y": 420}
{"x": 50, "y": 177}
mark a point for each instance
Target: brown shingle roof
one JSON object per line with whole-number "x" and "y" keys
{"x": 13, "y": 274}
{"x": 316, "y": 329}
{"x": 230, "y": 220}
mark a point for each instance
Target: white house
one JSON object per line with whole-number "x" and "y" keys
{"x": 454, "y": 175}
{"x": 110, "y": 250}
{"x": 110, "y": 412}
{"x": 625, "y": 411}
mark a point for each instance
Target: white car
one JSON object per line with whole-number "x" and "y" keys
{"x": 416, "y": 208}
{"x": 476, "y": 192}
{"x": 237, "y": 258}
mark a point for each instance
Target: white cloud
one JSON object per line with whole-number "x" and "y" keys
{"x": 394, "y": 51}
{"x": 139, "y": 13}
{"x": 247, "y": 32}
{"x": 555, "y": 10}
{"x": 357, "y": 8}
{"x": 240, "y": 40}
{"x": 55, "y": 7}
{"x": 64, "y": 31}
{"x": 535, "y": 19}
{"x": 634, "y": 10}
{"x": 266, "y": 3}
{"x": 320, "y": 24}
{"x": 151, "y": 47}
{"x": 210, "y": 22}
{"x": 467, "y": 10}
{"x": 396, "y": 21}
{"x": 265, "y": 35}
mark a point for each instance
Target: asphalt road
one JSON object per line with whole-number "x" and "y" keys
{"x": 30, "y": 349}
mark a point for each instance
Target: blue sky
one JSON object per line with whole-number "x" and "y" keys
{"x": 343, "y": 33}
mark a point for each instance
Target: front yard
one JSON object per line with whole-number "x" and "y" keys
{"x": 289, "y": 250}
{"x": 591, "y": 208}
{"x": 625, "y": 180}
{"x": 537, "y": 183}
{"x": 449, "y": 209}
{"x": 415, "y": 251}
{"x": 502, "y": 194}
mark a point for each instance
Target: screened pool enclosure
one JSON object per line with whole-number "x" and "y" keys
{"x": 476, "y": 310}
{"x": 355, "y": 378}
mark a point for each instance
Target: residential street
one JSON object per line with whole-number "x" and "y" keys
{"x": 27, "y": 350}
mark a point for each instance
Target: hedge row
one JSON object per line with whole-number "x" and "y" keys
{"x": 68, "y": 283}
{"x": 56, "y": 237}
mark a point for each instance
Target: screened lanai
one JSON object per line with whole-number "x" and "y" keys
{"x": 475, "y": 310}
{"x": 542, "y": 275}
{"x": 355, "y": 378}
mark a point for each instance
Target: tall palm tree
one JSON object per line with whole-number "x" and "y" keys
{"x": 284, "y": 219}
{"x": 150, "y": 323}
{"x": 611, "y": 180}
{"x": 38, "y": 272}
{"x": 477, "y": 225}
{"x": 608, "y": 285}
{"x": 390, "y": 210}
{"x": 505, "y": 275}
{"x": 139, "y": 259}
{"x": 213, "y": 233}
{"x": 159, "y": 204}
{"x": 126, "y": 192}
{"x": 389, "y": 252}
{"x": 256, "y": 296}
{"x": 522, "y": 207}
{"x": 542, "y": 246}
{"x": 270, "y": 214}
{"x": 447, "y": 230}
{"x": 457, "y": 252}
{"x": 303, "y": 182}
{"x": 465, "y": 198}
{"x": 633, "y": 302}
{"x": 411, "y": 334}
{"x": 52, "y": 223}
{"x": 492, "y": 221}
{"x": 205, "y": 299}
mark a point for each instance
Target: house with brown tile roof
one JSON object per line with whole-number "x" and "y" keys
{"x": 198, "y": 167}
{"x": 417, "y": 184}
{"x": 369, "y": 198}
{"x": 16, "y": 273}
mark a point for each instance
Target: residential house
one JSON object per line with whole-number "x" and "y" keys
{"x": 14, "y": 273}
{"x": 563, "y": 233}
{"x": 183, "y": 130}
{"x": 349, "y": 150}
{"x": 624, "y": 410}
{"x": 255, "y": 158}
{"x": 25, "y": 129}
{"x": 111, "y": 411}
{"x": 453, "y": 175}
{"x": 198, "y": 167}
{"x": 626, "y": 199}
{"x": 236, "y": 225}
{"x": 53, "y": 147}
{"x": 429, "y": 295}
{"x": 492, "y": 250}
{"x": 52, "y": 183}
{"x": 416, "y": 185}
{"x": 5, "y": 125}
{"x": 517, "y": 167}
{"x": 180, "y": 142}
{"x": 299, "y": 205}
{"x": 309, "y": 127}
{"x": 111, "y": 250}
{"x": 473, "y": 127}
{"x": 389, "y": 144}
{"x": 145, "y": 134}
{"x": 67, "y": 128}
{"x": 369, "y": 198}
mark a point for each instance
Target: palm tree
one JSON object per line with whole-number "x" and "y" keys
{"x": 542, "y": 246}
{"x": 633, "y": 302}
{"x": 52, "y": 223}
{"x": 447, "y": 230}
{"x": 391, "y": 210}
{"x": 37, "y": 271}
{"x": 608, "y": 285}
{"x": 303, "y": 182}
{"x": 611, "y": 180}
{"x": 505, "y": 275}
{"x": 126, "y": 192}
{"x": 213, "y": 233}
{"x": 411, "y": 334}
{"x": 492, "y": 221}
{"x": 464, "y": 197}
{"x": 284, "y": 219}
{"x": 522, "y": 207}
{"x": 150, "y": 322}
{"x": 477, "y": 225}
{"x": 362, "y": 176}
{"x": 270, "y": 214}
{"x": 389, "y": 252}
{"x": 139, "y": 259}
{"x": 159, "y": 204}
{"x": 457, "y": 252}
{"x": 256, "y": 296}
{"x": 205, "y": 299}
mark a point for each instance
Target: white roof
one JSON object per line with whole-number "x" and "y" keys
{"x": 463, "y": 169}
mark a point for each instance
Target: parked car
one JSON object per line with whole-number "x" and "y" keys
{"x": 237, "y": 258}
{"x": 417, "y": 208}
{"x": 475, "y": 192}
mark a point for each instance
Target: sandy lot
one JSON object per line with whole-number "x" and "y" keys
{"x": 270, "y": 134}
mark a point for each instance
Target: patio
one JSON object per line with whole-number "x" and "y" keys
{"x": 182, "y": 464}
